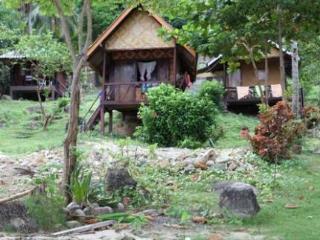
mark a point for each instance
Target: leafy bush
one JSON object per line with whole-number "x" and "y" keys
{"x": 311, "y": 116}
{"x": 276, "y": 132}
{"x": 172, "y": 116}
{"x": 212, "y": 90}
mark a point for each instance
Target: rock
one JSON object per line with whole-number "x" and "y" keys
{"x": 223, "y": 158}
{"x": 121, "y": 207}
{"x": 73, "y": 224}
{"x": 201, "y": 165}
{"x": 151, "y": 212}
{"x": 233, "y": 165}
{"x": 215, "y": 236}
{"x": 102, "y": 210}
{"x": 71, "y": 207}
{"x": 17, "y": 223}
{"x": 210, "y": 163}
{"x": 6, "y": 97}
{"x": 208, "y": 155}
{"x": 190, "y": 168}
{"x": 239, "y": 198}
{"x": 14, "y": 216}
{"x": 219, "y": 166}
{"x": 88, "y": 211}
{"x": 117, "y": 178}
{"x": 78, "y": 213}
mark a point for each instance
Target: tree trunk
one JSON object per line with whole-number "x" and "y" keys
{"x": 70, "y": 143}
{"x": 266, "y": 80}
{"x": 295, "y": 80}
{"x": 281, "y": 57}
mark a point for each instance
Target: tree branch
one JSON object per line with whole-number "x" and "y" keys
{"x": 89, "y": 25}
{"x": 65, "y": 29}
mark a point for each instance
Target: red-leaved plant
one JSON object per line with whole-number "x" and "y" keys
{"x": 276, "y": 133}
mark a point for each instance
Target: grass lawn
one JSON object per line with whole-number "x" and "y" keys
{"x": 301, "y": 187}
{"x": 232, "y": 124}
{"x": 21, "y": 128}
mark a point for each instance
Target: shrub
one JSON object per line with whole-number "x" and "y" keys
{"x": 46, "y": 205}
{"x": 212, "y": 90}
{"x": 311, "y": 116}
{"x": 172, "y": 116}
{"x": 276, "y": 132}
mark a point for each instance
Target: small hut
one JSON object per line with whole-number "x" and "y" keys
{"x": 131, "y": 58}
{"x": 241, "y": 86}
{"x": 22, "y": 83}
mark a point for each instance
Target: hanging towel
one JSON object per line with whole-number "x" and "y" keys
{"x": 146, "y": 69}
{"x": 242, "y": 92}
{"x": 276, "y": 90}
{"x": 257, "y": 90}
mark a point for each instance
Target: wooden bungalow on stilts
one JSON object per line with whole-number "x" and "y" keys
{"x": 242, "y": 91}
{"x": 22, "y": 83}
{"x": 131, "y": 58}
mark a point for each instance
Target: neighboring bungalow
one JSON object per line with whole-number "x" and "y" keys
{"x": 242, "y": 86}
{"x": 22, "y": 83}
{"x": 131, "y": 57}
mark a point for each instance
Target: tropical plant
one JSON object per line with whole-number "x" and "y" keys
{"x": 80, "y": 185}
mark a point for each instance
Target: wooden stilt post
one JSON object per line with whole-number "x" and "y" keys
{"x": 102, "y": 97}
{"x": 175, "y": 65}
{"x": 110, "y": 121}
{"x": 225, "y": 95}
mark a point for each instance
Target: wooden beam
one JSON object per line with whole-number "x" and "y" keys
{"x": 86, "y": 228}
{"x": 225, "y": 95}
{"x": 102, "y": 97}
{"x": 110, "y": 122}
{"x": 175, "y": 65}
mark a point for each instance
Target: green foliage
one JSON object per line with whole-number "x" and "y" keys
{"x": 46, "y": 207}
{"x": 189, "y": 143}
{"x": 80, "y": 184}
{"x": 48, "y": 55}
{"x": 100, "y": 19}
{"x": 212, "y": 90}
{"x": 134, "y": 219}
{"x": 172, "y": 116}
{"x": 11, "y": 27}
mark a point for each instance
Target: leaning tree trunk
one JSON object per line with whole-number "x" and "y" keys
{"x": 281, "y": 58}
{"x": 295, "y": 80}
{"x": 266, "y": 80}
{"x": 70, "y": 143}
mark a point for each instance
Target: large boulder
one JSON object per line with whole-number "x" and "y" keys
{"x": 238, "y": 198}
{"x": 118, "y": 178}
{"x": 14, "y": 216}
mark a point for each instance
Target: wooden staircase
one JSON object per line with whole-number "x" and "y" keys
{"x": 93, "y": 120}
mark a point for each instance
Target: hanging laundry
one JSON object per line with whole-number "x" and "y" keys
{"x": 146, "y": 69}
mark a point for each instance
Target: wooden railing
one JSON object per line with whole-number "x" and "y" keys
{"x": 231, "y": 94}
{"x": 127, "y": 92}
